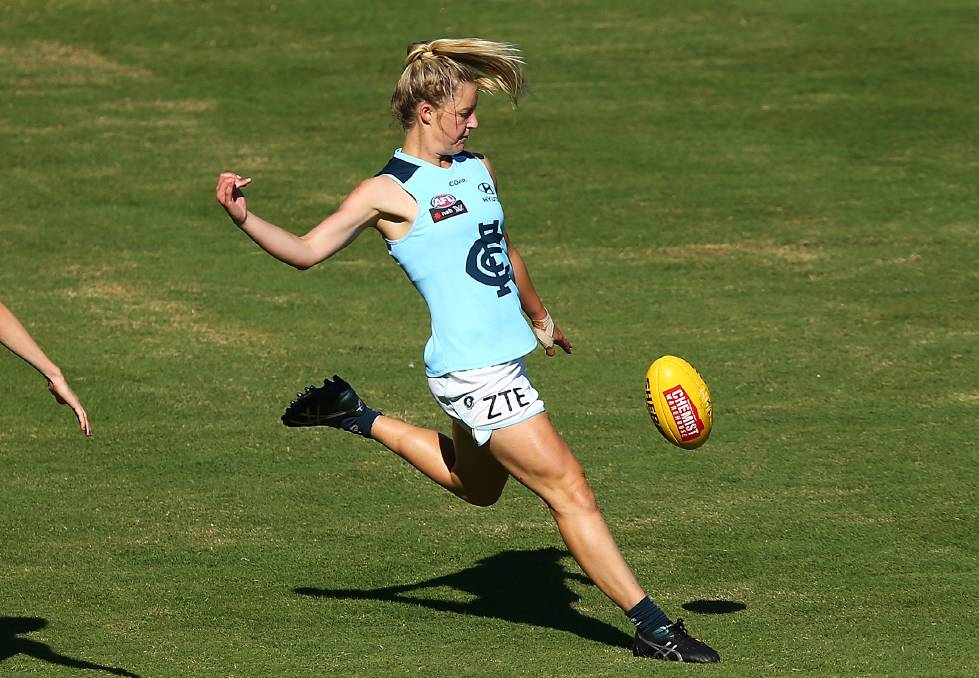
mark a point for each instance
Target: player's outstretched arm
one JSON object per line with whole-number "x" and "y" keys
{"x": 330, "y": 236}
{"x": 15, "y": 337}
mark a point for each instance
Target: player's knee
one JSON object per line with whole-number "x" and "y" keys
{"x": 485, "y": 491}
{"x": 573, "y": 495}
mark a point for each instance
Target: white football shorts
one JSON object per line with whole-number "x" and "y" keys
{"x": 487, "y": 398}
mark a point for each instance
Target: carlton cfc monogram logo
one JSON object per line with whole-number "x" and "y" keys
{"x": 483, "y": 265}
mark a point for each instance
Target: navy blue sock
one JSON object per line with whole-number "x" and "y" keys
{"x": 361, "y": 422}
{"x": 647, "y": 616}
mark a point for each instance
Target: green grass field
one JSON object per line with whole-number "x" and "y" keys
{"x": 782, "y": 192}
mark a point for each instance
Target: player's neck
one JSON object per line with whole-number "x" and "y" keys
{"x": 415, "y": 146}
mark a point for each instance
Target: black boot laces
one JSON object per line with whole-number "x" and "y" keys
{"x": 679, "y": 629}
{"x": 299, "y": 396}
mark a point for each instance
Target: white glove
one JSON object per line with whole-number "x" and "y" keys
{"x": 544, "y": 329}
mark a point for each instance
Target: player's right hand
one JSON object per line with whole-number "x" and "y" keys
{"x": 228, "y": 193}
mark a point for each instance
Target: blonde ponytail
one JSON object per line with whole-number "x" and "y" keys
{"x": 433, "y": 69}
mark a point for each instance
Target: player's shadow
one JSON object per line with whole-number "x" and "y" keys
{"x": 11, "y": 644}
{"x": 714, "y": 606}
{"x": 526, "y": 587}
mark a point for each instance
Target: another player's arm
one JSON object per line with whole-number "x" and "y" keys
{"x": 547, "y": 332}
{"x": 15, "y": 337}
{"x": 357, "y": 212}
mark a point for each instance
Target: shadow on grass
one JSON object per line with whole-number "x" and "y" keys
{"x": 11, "y": 645}
{"x": 525, "y": 587}
{"x": 713, "y": 606}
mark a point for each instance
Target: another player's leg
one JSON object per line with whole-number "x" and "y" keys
{"x": 457, "y": 464}
{"x": 536, "y": 455}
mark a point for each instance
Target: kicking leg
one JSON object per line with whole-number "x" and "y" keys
{"x": 457, "y": 464}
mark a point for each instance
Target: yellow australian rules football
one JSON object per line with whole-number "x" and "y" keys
{"x": 679, "y": 402}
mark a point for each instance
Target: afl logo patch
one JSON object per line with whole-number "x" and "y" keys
{"x": 443, "y": 200}
{"x": 445, "y": 206}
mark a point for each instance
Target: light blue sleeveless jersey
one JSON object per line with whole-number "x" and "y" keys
{"x": 456, "y": 257}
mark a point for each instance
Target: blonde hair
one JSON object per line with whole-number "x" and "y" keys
{"x": 433, "y": 69}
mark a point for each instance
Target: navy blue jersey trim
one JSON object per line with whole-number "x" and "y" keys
{"x": 402, "y": 170}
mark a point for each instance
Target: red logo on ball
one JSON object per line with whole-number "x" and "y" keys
{"x": 684, "y": 413}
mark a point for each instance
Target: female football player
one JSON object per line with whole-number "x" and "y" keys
{"x": 14, "y": 336}
{"x": 436, "y": 206}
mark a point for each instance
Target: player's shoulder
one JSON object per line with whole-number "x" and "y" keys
{"x": 375, "y": 193}
{"x": 473, "y": 156}
{"x": 470, "y": 156}
{"x": 379, "y": 195}
{"x": 399, "y": 168}
{"x": 378, "y": 184}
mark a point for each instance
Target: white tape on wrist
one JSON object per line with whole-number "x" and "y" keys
{"x": 544, "y": 329}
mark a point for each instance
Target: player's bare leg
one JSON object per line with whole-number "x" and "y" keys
{"x": 457, "y": 464}
{"x": 536, "y": 455}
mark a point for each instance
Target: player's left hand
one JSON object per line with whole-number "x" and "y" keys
{"x": 548, "y": 334}
{"x": 560, "y": 340}
{"x": 64, "y": 395}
